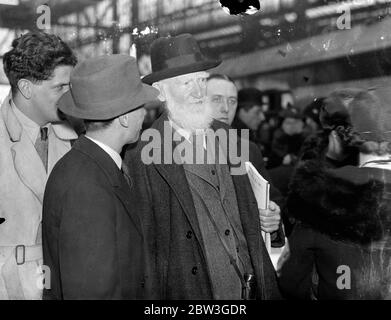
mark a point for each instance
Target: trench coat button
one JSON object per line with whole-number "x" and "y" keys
{"x": 194, "y": 270}
{"x": 189, "y": 234}
{"x": 213, "y": 172}
{"x": 227, "y": 232}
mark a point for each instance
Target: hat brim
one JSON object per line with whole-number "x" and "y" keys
{"x": 177, "y": 71}
{"x": 108, "y": 109}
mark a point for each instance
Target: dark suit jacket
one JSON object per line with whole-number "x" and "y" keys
{"x": 173, "y": 233}
{"x": 92, "y": 236}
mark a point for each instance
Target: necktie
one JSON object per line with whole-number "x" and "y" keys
{"x": 199, "y": 152}
{"x": 41, "y": 145}
{"x": 125, "y": 172}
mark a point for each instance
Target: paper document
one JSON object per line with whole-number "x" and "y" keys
{"x": 261, "y": 189}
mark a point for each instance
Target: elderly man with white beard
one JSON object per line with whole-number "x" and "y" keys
{"x": 201, "y": 220}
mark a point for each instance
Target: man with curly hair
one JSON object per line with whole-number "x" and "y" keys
{"x": 32, "y": 140}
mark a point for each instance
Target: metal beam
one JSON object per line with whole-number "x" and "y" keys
{"x": 115, "y": 33}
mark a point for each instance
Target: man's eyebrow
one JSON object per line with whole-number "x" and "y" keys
{"x": 61, "y": 84}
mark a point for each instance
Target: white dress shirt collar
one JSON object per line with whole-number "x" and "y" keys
{"x": 29, "y": 126}
{"x": 112, "y": 153}
{"x": 187, "y": 134}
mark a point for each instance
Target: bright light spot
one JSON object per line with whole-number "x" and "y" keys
{"x": 252, "y": 10}
{"x": 146, "y": 31}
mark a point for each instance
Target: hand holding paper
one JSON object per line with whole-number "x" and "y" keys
{"x": 270, "y": 218}
{"x": 260, "y": 188}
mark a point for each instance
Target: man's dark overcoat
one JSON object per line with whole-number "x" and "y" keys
{"x": 173, "y": 234}
{"x": 92, "y": 236}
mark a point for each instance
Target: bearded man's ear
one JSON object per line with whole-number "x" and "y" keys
{"x": 159, "y": 86}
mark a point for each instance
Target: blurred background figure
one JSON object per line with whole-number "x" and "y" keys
{"x": 343, "y": 213}
{"x": 288, "y": 139}
{"x": 153, "y": 111}
{"x": 311, "y": 116}
{"x": 286, "y": 145}
{"x": 249, "y": 114}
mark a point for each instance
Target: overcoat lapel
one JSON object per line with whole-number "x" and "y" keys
{"x": 29, "y": 167}
{"x": 248, "y": 210}
{"x": 250, "y": 224}
{"x": 175, "y": 176}
{"x": 122, "y": 192}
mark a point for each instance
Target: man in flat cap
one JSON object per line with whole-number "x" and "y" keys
{"x": 92, "y": 235}
{"x": 202, "y": 224}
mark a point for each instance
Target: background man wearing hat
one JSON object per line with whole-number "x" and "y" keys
{"x": 249, "y": 113}
{"x": 32, "y": 140}
{"x": 288, "y": 139}
{"x": 92, "y": 234}
{"x": 203, "y": 224}
{"x": 344, "y": 213}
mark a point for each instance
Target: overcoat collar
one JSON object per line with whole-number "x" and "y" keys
{"x": 62, "y": 130}
{"x": 113, "y": 174}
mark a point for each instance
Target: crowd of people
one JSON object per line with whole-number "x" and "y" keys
{"x": 85, "y": 211}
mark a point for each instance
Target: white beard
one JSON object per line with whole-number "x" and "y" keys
{"x": 191, "y": 117}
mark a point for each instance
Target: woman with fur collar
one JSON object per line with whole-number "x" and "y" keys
{"x": 343, "y": 213}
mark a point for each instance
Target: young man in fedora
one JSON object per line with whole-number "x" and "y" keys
{"x": 92, "y": 234}
{"x": 32, "y": 140}
{"x": 202, "y": 224}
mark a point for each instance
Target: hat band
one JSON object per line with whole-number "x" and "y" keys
{"x": 183, "y": 60}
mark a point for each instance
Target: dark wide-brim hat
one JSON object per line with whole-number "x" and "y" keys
{"x": 313, "y": 109}
{"x": 291, "y": 112}
{"x": 175, "y": 56}
{"x": 359, "y": 109}
{"x": 249, "y": 97}
{"x": 105, "y": 87}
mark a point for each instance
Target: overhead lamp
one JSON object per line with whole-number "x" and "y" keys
{"x": 10, "y": 2}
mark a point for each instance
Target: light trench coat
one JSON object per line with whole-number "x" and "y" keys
{"x": 22, "y": 184}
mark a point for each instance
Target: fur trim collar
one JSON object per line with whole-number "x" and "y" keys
{"x": 348, "y": 203}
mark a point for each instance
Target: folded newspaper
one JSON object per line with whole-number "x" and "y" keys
{"x": 261, "y": 189}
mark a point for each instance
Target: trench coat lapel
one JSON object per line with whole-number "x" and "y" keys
{"x": 27, "y": 162}
{"x": 29, "y": 167}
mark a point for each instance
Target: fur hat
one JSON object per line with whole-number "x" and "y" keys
{"x": 359, "y": 109}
